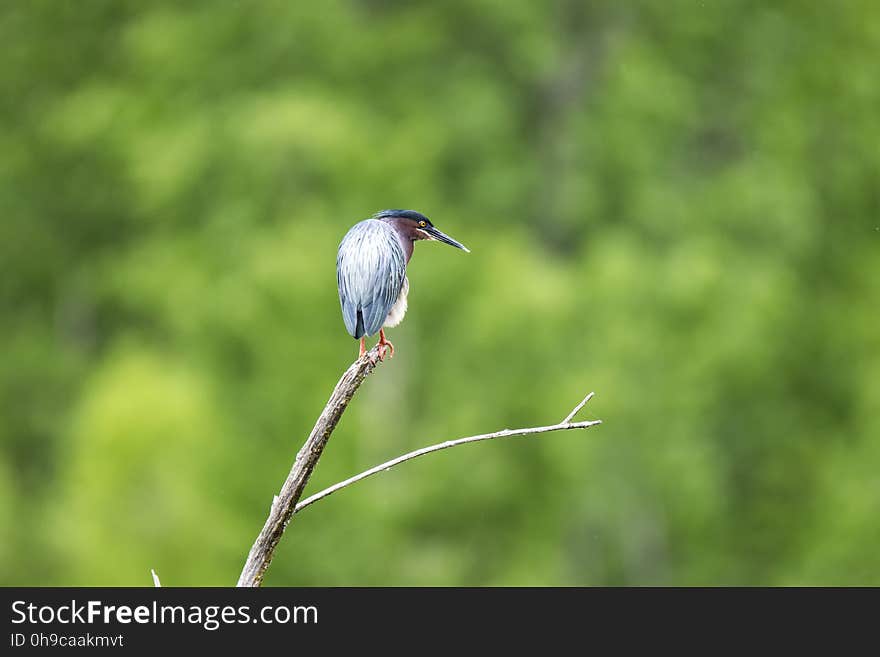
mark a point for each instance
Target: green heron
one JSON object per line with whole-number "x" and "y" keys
{"x": 371, "y": 271}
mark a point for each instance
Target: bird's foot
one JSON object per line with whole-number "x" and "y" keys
{"x": 384, "y": 346}
{"x": 363, "y": 348}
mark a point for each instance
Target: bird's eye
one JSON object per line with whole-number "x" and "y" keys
{"x": 422, "y": 224}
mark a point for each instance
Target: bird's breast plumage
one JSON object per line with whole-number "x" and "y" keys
{"x": 398, "y": 310}
{"x": 370, "y": 273}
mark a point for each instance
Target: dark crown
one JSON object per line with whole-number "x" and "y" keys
{"x": 402, "y": 214}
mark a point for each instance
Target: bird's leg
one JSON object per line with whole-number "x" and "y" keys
{"x": 383, "y": 345}
{"x": 363, "y": 348}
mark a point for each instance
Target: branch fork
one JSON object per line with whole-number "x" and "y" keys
{"x": 287, "y": 502}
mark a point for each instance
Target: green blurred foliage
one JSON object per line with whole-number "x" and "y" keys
{"x": 673, "y": 204}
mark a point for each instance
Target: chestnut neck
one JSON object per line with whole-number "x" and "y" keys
{"x": 406, "y": 233}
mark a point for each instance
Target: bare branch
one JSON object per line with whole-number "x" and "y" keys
{"x": 156, "y": 581}
{"x": 284, "y": 503}
{"x": 506, "y": 433}
{"x": 577, "y": 409}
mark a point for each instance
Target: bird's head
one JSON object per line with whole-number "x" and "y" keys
{"x": 416, "y": 226}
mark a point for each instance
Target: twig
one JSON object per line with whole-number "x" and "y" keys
{"x": 562, "y": 426}
{"x": 284, "y": 503}
{"x": 577, "y": 409}
{"x": 156, "y": 581}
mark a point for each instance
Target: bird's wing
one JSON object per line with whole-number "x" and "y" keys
{"x": 370, "y": 268}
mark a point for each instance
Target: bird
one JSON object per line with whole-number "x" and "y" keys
{"x": 371, "y": 272}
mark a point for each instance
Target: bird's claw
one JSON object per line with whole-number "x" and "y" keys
{"x": 385, "y": 347}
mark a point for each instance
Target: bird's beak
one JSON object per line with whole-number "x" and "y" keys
{"x": 440, "y": 236}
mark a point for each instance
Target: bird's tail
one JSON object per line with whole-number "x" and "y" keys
{"x": 359, "y": 330}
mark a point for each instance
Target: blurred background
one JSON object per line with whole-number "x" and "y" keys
{"x": 676, "y": 205}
